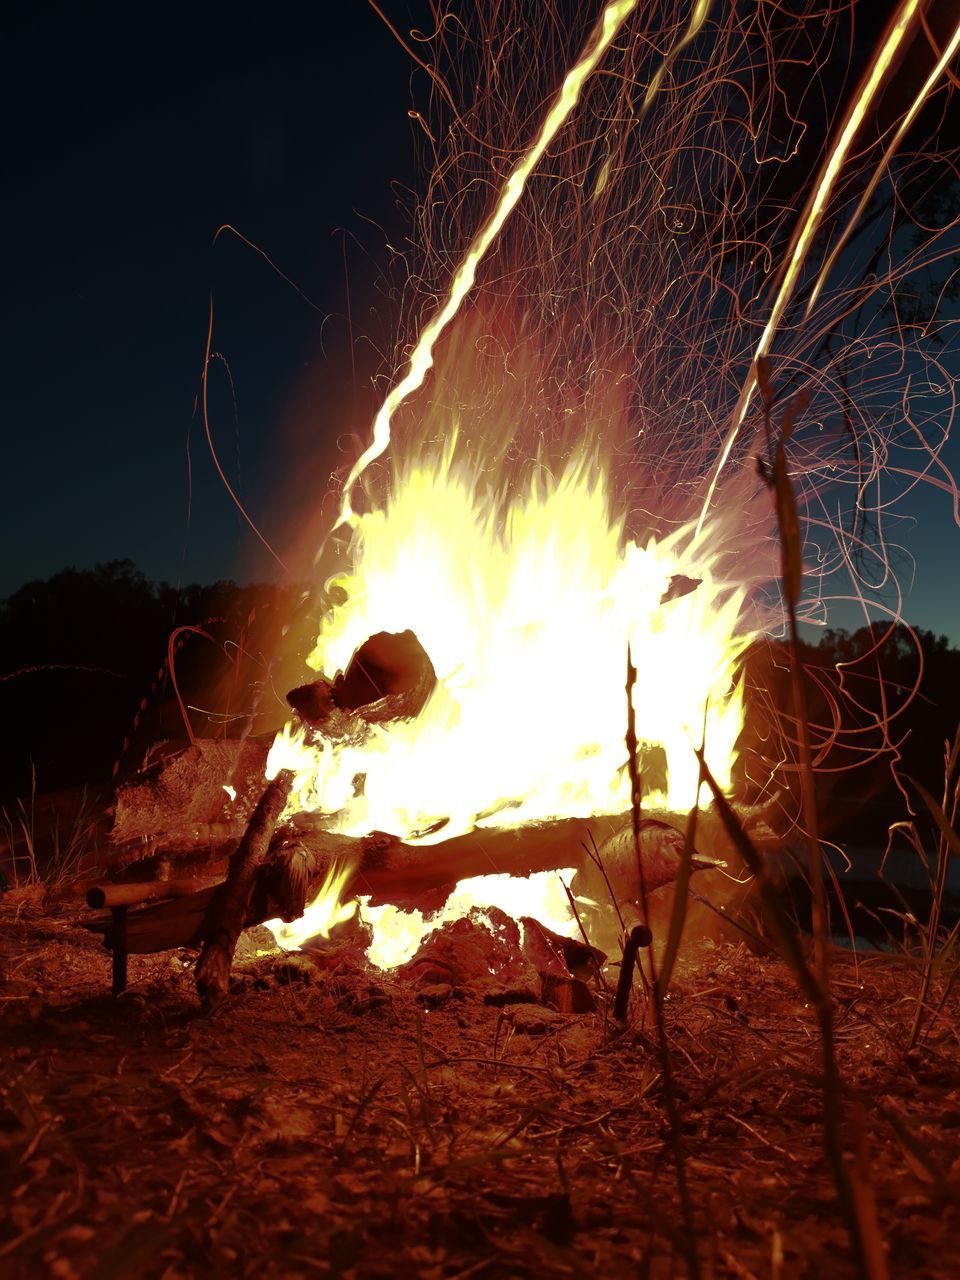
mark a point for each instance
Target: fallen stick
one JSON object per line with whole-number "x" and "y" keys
{"x": 226, "y": 915}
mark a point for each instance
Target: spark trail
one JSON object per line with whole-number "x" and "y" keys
{"x": 421, "y": 361}
{"x": 900, "y": 26}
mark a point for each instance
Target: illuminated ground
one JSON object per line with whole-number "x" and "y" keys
{"x": 328, "y": 1124}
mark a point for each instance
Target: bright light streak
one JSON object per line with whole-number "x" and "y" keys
{"x": 928, "y": 87}
{"x": 421, "y": 360}
{"x": 697, "y": 19}
{"x": 810, "y": 221}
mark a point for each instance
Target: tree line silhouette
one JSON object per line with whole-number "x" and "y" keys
{"x": 99, "y": 665}
{"x": 93, "y": 660}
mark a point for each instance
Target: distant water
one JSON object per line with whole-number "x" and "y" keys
{"x": 902, "y": 867}
{"x": 879, "y": 893}
{"x": 860, "y": 944}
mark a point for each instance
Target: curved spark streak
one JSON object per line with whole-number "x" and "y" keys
{"x": 808, "y": 226}
{"x": 421, "y": 360}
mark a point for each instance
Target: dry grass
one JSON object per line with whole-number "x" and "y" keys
{"x": 42, "y": 850}
{"x": 328, "y": 1123}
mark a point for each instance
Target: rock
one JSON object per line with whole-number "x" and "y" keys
{"x": 554, "y": 953}
{"x": 533, "y": 1020}
{"x": 481, "y": 950}
{"x": 434, "y": 994}
{"x": 364, "y": 1000}
{"x": 498, "y": 997}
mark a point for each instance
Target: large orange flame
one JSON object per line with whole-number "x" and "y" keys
{"x": 525, "y": 609}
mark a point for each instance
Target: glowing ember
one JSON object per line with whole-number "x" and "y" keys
{"x": 398, "y": 934}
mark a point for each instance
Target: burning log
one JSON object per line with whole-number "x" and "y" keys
{"x": 207, "y": 854}
{"x": 407, "y": 875}
{"x": 390, "y": 677}
{"x": 381, "y": 866}
{"x": 389, "y": 870}
{"x": 226, "y": 916}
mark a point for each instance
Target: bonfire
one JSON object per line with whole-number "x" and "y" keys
{"x": 524, "y": 770}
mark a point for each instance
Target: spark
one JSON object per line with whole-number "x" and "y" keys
{"x": 697, "y": 19}
{"x": 810, "y": 221}
{"x": 927, "y": 88}
{"x": 421, "y": 360}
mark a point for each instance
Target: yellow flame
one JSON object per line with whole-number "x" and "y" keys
{"x": 398, "y": 934}
{"x": 525, "y": 605}
{"x": 421, "y": 359}
{"x": 322, "y": 915}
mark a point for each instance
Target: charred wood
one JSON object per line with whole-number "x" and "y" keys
{"x": 226, "y": 915}
{"x": 390, "y": 677}
{"x": 204, "y": 792}
{"x": 317, "y": 707}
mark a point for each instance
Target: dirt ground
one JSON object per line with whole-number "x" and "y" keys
{"x": 339, "y": 1123}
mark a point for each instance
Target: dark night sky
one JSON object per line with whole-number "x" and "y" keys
{"x": 140, "y": 129}
{"x": 134, "y": 132}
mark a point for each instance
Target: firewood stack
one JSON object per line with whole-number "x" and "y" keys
{"x": 201, "y": 852}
